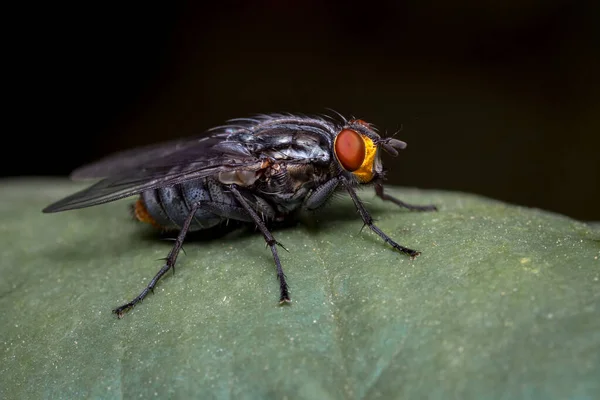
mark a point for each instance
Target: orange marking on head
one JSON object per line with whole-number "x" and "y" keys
{"x": 365, "y": 173}
{"x": 141, "y": 213}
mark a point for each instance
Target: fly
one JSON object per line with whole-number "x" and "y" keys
{"x": 255, "y": 170}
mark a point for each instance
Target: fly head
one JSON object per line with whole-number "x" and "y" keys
{"x": 356, "y": 148}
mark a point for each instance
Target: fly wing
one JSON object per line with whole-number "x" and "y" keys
{"x": 134, "y": 171}
{"x": 232, "y": 147}
{"x": 128, "y": 159}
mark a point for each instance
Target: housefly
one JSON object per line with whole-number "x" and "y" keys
{"x": 256, "y": 170}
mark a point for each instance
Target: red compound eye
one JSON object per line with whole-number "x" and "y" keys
{"x": 349, "y": 148}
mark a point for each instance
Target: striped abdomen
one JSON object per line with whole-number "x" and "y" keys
{"x": 168, "y": 207}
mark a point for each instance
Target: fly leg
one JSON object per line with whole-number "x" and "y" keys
{"x": 284, "y": 296}
{"x": 321, "y": 194}
{"x": 379, "y": 192}
{"x": 368, "y": 220}
{"x": 170, "y": 263}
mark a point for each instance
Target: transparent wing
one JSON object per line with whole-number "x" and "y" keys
{"x": 128, "y": 159}
{"x": 134, "y": 171}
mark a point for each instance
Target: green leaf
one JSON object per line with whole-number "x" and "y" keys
{"x": 503, "y": 302}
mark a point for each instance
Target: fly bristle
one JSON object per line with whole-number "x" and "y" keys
{"x": 343, "y": 119}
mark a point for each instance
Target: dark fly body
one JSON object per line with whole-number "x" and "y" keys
{"x": 256, "y": 170}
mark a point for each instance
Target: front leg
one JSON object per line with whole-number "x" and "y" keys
{"x": 368, "y": 220}
{"x": 379, "y": 192}
{"x": 321, "y": 194}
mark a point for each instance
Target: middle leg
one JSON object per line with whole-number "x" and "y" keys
{"x": 284, "y": 296}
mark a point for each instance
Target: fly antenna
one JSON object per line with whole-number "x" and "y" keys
{"x": 392, "y": 145}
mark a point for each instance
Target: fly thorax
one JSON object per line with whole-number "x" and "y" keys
{"x": 286, "y": 185}
{"x": 276, "y": 179}
{"x": 239, "y": 177}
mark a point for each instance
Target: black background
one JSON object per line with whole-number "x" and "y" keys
{"x": 495, "y": 98}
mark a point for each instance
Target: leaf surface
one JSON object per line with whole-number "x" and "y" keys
{"x": 504, "y": 302}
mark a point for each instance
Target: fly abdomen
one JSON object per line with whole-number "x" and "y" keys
{"x": 168, "y": 207}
